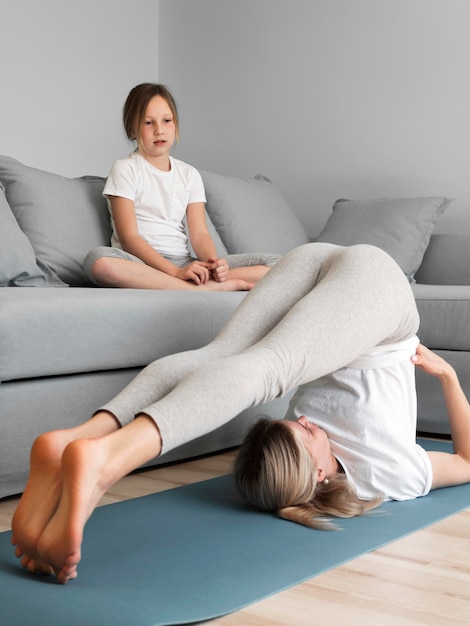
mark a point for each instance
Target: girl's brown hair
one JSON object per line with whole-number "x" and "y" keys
{"x": 136, "y": 106}
{"x": 274, "y": 472}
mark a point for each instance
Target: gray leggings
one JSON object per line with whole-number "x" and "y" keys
{"x": 319, "y": 308}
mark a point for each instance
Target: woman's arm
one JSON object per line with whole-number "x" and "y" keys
{"x": 126, "y": 226}
{"x": 449, "y": 469}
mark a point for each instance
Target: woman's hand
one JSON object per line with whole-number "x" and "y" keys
{"x": 431, "y": 363}
{"x": 448, "y": 469}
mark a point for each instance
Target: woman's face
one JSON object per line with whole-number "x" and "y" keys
{"x": 316, "y": 443}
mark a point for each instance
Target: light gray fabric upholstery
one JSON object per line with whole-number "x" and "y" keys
{"x": 18, "y": 265}
{"x": 445, "y": 315}
{"x": 400, "y": 226}
{"x": 48, "y": 332}
{"x": 446, "y": 261}
{"x": 63, "y": 218}
{"x": 251, "y": 215}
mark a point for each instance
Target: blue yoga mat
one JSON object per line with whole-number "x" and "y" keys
{"x": 195, "y": 553}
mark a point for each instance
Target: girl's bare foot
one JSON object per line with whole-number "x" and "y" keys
{"x": 234, "y": 284}
{"x": 85, "y": 478}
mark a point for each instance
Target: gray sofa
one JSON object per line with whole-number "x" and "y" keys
{"x": 67, "y": 347}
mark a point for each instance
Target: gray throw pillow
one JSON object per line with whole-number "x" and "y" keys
{"x": 400, "y": 226}
{"x": 18, "y": 264}
{"x": 251, "y": 215}
{"x": 63, "y": 218}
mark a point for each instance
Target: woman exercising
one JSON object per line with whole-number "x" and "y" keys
{"x": 340, "y": 324}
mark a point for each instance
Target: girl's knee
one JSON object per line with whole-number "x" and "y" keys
{"x": 102, "y": 270}
{"x": 90, "y": 260}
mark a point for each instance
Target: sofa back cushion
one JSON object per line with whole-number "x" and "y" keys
{"x": 251, "y": 215}
{"x": 400, "y": 226}
{"x": 446, "y": 261}
{"x": 18, "y": 264}
{"x": 63, "y": 218}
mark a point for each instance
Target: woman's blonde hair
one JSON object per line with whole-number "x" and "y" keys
{"x": 136, "y": 106}
{"x": 274, "y": 472}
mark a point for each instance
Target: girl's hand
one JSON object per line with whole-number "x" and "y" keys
{"x": 197, "y": 271}
{"x": 431, "y": 363}
{"x": 219, "y": 269}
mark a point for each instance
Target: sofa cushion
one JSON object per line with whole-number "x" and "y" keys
{"x": 444, "y": 312}
{"x": 251, "y": 215}
{"x": 49, "y": 332}
{"x": 18, "y": 264}
{"x": 400, "y": 226}
{"x": 63, "y": 218}
{"x": 446, "y": 261}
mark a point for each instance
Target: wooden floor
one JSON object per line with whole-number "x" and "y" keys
{"x": 421, "y": 579}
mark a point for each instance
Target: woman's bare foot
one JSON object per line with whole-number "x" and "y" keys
{"x": 85, "y": 478}
{"x": 40, "y": 498}
{"x": 44, "y": 488}
{"x": 70, "y": 470}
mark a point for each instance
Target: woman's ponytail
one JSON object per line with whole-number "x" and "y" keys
{"x": 274, "y": 472}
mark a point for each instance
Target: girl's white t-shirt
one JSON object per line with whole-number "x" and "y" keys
{"x": 160, "y": 199}
{"x": 368, "y": 410}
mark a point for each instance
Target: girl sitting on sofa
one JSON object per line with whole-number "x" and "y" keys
{"x": 149, "y": 194}
{"x": 339, "y": 323}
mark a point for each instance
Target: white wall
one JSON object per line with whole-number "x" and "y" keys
{"x": 329, "y": 98}
{"x": 67, "y": 67}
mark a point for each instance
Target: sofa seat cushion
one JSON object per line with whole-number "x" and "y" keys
{"x": 48, "y": 332}
{"x": 445, "y": 315}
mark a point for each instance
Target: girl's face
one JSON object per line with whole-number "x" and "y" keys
{"x": 316, "y": 442}
{"x": 158, "y": 133}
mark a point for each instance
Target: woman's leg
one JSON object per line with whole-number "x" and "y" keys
{"x": 360, "y": 298}
{"x": 261, "y": 310}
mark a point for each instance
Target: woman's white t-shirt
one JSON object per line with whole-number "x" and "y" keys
{"x": 368, "y": 410}
{"x": 160, "y": 199}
